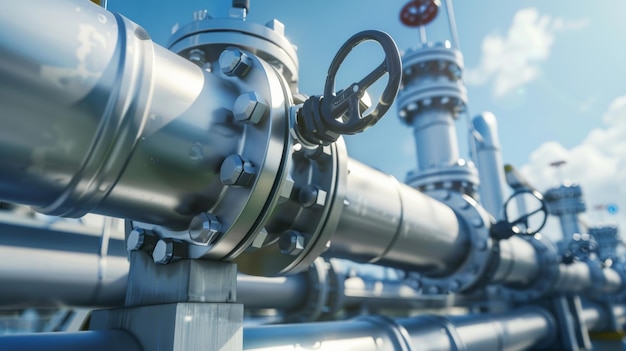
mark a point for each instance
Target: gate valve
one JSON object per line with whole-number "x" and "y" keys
{"x": 322, "y": 119}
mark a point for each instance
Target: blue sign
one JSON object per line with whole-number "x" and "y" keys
{"x": 612, "y": 208}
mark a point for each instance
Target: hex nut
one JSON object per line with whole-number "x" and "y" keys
{"x": 259, "y": 240}
{"x": 249, "y": 108}
{"x": 312, "y": 196}
{"x": 234, "y": 63}
{"x": 204, "y": 228}
{"x": 236, "y": 171}
{"x": 140, "y": 239}
{"x": 167, "y": 250}
{"x": 135, "y": 239}
{"x": 291, "y": 242}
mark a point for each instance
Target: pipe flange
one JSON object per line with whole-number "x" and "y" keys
{"x": 250, "y": 181}
{"x": 313, "y": 209}
{"x": 336, "y": 291}
{"x": 315, "y": 302}
{"x": 549, "y": 263}
{"x": 476, "y": 222}
{"x": 460, "y": 177}
{"x": 456, "y": 342}
{"x": 401, "y": 340}
{"x": 432, "y": 78}
{"x": 213, "y": 35}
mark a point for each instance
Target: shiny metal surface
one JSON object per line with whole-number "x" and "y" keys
{"x": 488, "y": 158}
{"x": 60, "y": 263}
{"x": 518, "y": 263}
{"x": 516, "y": 330}
{"x": 145, "y": 150}
{"x": 435, "y": 139}
{"x": 390, "y": 223}
{"x": 101, "y": 340}
{"x": 214, "y": 35}
{"x": 178, "y": 326}
{"x": 277, "y": 292}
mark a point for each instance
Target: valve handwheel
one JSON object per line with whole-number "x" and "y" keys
{"x": 523, "y": 219}
{"x": 506, "y": 228}
{"x": 419, "y": 12}
{"x": 323, "y": 118}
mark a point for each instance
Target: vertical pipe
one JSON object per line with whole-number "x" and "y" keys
{"x": 489, "y": 163}
{"x": 435, "y": 139}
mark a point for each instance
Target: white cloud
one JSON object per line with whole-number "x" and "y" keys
{"x": 513, "y": 61}
{"x": 598, "y": 164}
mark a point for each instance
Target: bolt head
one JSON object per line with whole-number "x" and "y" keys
{"x": 201, "y": 15}
{"x": 454, "y": 286}
{"x": 291, "y": 243}
{"x": 312, "y": 196}
{"x": 204, "y": 228}
{"x": 196, "y": 56}
{"x": 250, "y": 108}
{"x": 234, "y": 63}
{"x": 259, "y": 240}
{"x": 455, "y": 71}
{"x": 236, "y": 171}
{"x": 277, "y": 26}
{"x": 135, "y": 239}
{"x": 163, "y": 252}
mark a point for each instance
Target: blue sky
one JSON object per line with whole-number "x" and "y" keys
{"x": 553, "y": 73}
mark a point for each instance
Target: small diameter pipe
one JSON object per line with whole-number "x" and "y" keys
{"x": 489, "y": 163}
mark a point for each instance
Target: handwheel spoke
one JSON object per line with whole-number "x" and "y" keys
{"x": 373, "y": 77}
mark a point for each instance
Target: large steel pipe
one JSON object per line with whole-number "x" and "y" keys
{"x": 390, "y": 223}
{"x": 518, "y": 263}
{"x": 97, "y": 118}
{"x": 583, "y": 277}
{"x": 516, "y": 330}
{"x": 68, "y": 264}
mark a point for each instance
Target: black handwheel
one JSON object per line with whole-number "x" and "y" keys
{"x": 523, "y": 219}
{"x": 324, "y": 118}
{"x": 335, "y": 106}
